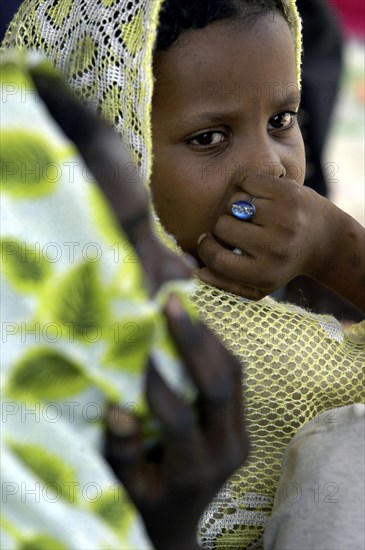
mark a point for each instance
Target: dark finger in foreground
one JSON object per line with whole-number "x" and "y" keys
{"x": 182, "y": 440}
{"x": 216, "y": 373}
{"x": 175, "y": 416}
{"x": 201, "y": 352}
{"x": 123, "y": 445}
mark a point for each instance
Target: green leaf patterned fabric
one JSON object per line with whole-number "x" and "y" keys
{"x": 24, "y": 267}
{"x": 43, "y": 375}
{"x": 41, "y": 542}
{"x": 46, "y": 466}
{"x": 27, "y": 164}
{"x": 80, "y": 300}
{"x": 78, "y": 328}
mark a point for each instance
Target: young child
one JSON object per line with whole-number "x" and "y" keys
{"x": 223, "y": 129}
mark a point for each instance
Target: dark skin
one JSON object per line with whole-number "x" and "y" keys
{"x": 210, "y": 437}
{"x": 224, "y": 129}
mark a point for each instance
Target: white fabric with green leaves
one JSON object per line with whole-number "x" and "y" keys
{"x": 77, "y": 328}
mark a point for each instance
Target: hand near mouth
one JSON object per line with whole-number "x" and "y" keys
{"x": 294, "y": 232}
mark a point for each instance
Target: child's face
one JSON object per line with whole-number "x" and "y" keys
{"x": 221, "y": 114}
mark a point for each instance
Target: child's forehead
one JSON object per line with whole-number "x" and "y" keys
{"x": 214, "y": 42}
{"x": 229, "y": 53}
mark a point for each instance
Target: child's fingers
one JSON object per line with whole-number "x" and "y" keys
{"x": 247, "y": 236}
{"x": 269, "y": 187}
{"x": 242, "y": 269}
{"x": 279, "y": 210}
{"x": 270, "y": 213}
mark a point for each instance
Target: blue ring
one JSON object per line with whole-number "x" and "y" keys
{"x": 243, "y": 210}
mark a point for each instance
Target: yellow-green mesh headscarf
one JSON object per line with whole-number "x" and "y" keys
{"x": 296, "y": 364}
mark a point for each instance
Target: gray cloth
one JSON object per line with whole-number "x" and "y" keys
{"x": 319, "y": 504}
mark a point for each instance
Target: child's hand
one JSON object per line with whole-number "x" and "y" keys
{"x": 172, "y": 484}
{"x": 277, "y": 244}
{"x": 294, "y": 232}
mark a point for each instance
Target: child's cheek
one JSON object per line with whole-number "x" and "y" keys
{"x": 296, "y": 166}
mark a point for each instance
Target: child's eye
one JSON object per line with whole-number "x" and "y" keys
{"x": 207, "y": 139}
{"x": 282, "y": 121}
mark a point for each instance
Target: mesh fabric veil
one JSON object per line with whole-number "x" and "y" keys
{"x": 296, "y": 364}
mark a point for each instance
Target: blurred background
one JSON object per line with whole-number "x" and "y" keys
{"x": 346, "y": 144}
{"x": 333, "y": 109}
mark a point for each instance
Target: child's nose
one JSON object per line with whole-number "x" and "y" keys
{"x": 258, "y": 159}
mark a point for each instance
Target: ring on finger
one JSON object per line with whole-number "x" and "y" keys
{"x": 244, "y": 210}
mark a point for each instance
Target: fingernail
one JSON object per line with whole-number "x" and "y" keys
{"x": 120, "y": 423}
{"x": 202, "y": 237}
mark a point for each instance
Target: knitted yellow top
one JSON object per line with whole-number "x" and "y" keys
{"x": 296, "y": 364}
